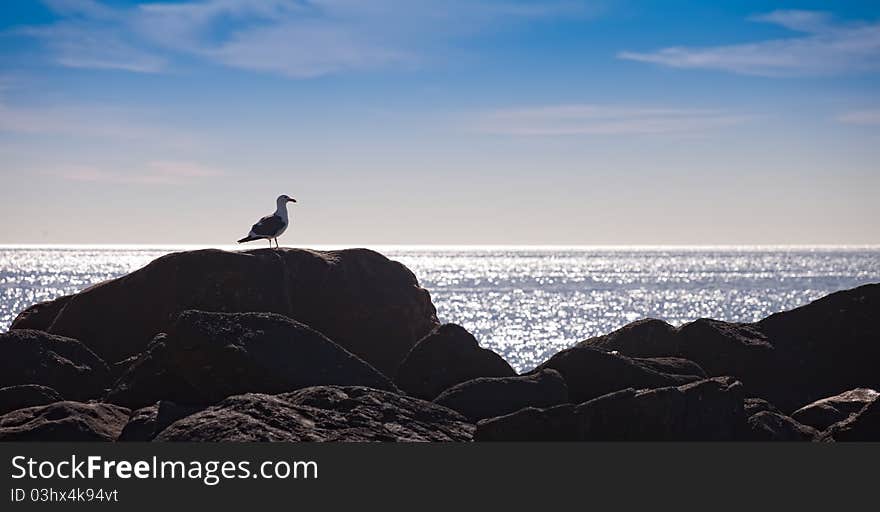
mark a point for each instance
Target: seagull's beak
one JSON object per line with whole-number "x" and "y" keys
{"x": 291, "y": 200}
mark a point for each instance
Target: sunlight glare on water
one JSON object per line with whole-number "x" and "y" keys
{"x": 527, "y": 303}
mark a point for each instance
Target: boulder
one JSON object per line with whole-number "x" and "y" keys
{"x": 41, "y": 315}
{"x": 487, "y": 397}
{"x": 827, "y": 346}
{"x": 557, "y": 423}
{"x": 773, "y": 426}
{"x": 648, "y": 337}
{"x": 324, "y": 413}
{"x": 590, "y": 372}
{"x": 34, "y": 357}
{"x": 363, "y": 301}
{"x": 26, "y": 395}
{"x": 64, "y": 421}
{"x": 151, "y": 377}
{"x": 707, "y": 410}
{"x": 823, "y": 413}
{"x": 207, "y": 357}
{"x": 447, "y": 356}
{"x": 862, "y": 426}
{"x": 673, "y": 365}
{"x": 719, "y": 348}
{"x": 753, "y": 406}
{"x": 790, "y": 358}
{"x": 144, "y": 424}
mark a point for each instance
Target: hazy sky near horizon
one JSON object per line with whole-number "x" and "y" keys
{"x": 441, "y": 122}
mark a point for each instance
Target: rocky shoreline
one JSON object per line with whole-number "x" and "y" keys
{"x": 299, "y": 345}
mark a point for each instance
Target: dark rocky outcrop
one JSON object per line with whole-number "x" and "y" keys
{"x": 755, "y": 405}
{"x": 26, "y": 395}
{"x": 147, "y": 422}
{"x": 719, "y": 348}
{"x": 64, "y": 364}
{"x": 151, "y": 377}
{"x": 447, "y": 356}
{"x": 64, "y": 421}
{"x": 862, "y": 426}
{"x": 557, "y": 423}
{"x": 827, "y": 346}
{"x": 325, "y": 413}
{"x": 707, "y": 410}
{"x": 207, "y": 357}
{"x": 487, "y": 397}
{"x": 823, "y": 413}
{"x": 363, "y": 301}
{"x": 590, "y": 372}
{"x": 41, "y": 315}
{"x": 773, "y": 426}
{"x": 790, "y": 358}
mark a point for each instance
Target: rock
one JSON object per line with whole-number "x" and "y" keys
{"x": 790, "y": 358}
{"x": 823, "y": 413}
{"x": 827, "y": 346}
{"x": 719, "y": 348}
{"x": 151, "y": 377}
{"x": 772, "y": 426}
{"x": 531, "y": 424}
{"x": 648, "y": 337}
{"x": 324, "y": 413}
{"x": 590, "y": 372}
{"x": 447, "y": 356}
{"x": 119, "y": 368}
{"x": 673, "y": 365}
{"x": 26, "y": 395}
{"x": 487, "y": 397}
{"x": 707, "y": 410}
{"x": 34, "y": 357}
{"x": 755, "y": 405}
{"x": 723, "y": 348}
{"x": 863, "y": 426}
{"x": 64, "y": 421}
{"x": 363, "y": 301}
{"x": 207, "y": 357}
{"x": 41, "y": 315}
{"x": 147, "y": 422}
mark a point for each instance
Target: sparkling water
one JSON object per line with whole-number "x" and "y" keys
{"x": 527, "y": 303}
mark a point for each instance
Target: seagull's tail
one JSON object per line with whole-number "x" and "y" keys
{"x": 247, "y": 239}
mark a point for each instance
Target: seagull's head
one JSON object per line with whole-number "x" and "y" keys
{"x": 284, "y": 199}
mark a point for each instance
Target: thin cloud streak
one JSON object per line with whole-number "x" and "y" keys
{"x": 153, "y": 173}
{"x": 89, "y": 121}
{"x": 870, "y": 117}
{"x": 826, "y": 47}
{"x": 298, "y": 39}
{"x": 568, "y": 120}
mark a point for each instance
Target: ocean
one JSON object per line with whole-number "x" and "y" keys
{"x": 527, "y": 303}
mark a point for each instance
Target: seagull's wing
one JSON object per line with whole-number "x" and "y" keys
{"x": 268, "y": 226}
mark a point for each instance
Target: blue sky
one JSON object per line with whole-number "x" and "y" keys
{"x": 441, "y": 122}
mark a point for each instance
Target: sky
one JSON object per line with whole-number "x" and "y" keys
{"x": 440, "y": 122}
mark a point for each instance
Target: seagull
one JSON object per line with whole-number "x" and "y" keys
{"x": 272, "y": 226}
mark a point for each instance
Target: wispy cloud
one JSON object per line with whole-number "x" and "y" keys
{"x": 824, "y": 46}
{"x": 602, "y": 120}
{"x": 304, "y": 38}
{"x": 153, "y": 173}
{"x": 861, "y": 117}
{"x": 91, "y": 121}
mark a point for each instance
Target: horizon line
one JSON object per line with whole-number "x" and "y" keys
{"x": 473, "y": 247}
